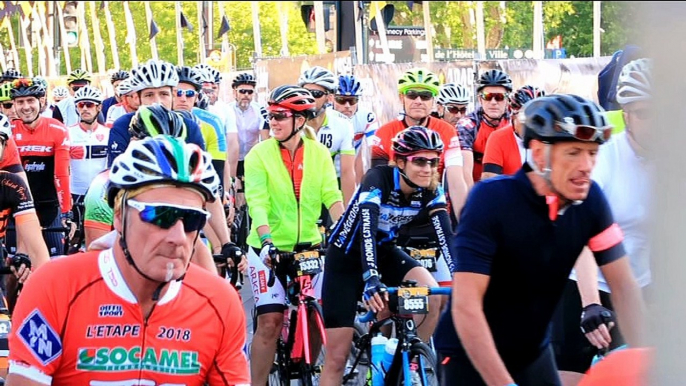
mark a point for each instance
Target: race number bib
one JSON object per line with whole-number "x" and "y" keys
{"x": 308, "y": 263}
{"x": 413, "y": 301}
{"x": 425, "y": 257}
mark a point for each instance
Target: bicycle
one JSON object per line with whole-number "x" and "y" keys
{"x": 294, "y": 351}
{"x": 414, "y": 362}
{"x": 227, "y": 270}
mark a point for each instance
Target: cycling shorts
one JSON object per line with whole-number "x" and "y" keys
{"x": 343, "y": 284}
{"x": 271, "y": 299}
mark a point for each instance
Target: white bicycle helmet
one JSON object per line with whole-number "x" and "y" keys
{"x": 5, "y": 127}
{"x": 60, "y": 92}
{"x": 634, "y": 82}
{"x": 124, "y": 87}
{"x": 153, "y": 74}
{"x": 211, "y": 72}
{"x": 453, "y": 93}
{"x": 201, "y": 76}
{"x": 88, "y": 93}
{"x": 163, "y": 159}
{"x": 319, "y": 76}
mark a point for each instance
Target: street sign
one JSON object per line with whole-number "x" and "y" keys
{"x": 447, "y": 54}
{"x": 405, "y": 44}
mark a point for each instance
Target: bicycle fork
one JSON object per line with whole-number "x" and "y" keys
{"x": 301, "y": 344}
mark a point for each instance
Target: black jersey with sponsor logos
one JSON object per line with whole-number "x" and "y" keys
{"x": 15, "y": 198}
{"x": 381, "y": 187}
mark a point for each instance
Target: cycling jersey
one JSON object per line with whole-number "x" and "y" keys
{"x": 365, "y": 125}
{"x": 474, "y": 132}
{"x": 67, "y": 110}
{"x": 107, "y": 103}
{"x": 15, "y": 199}
{"x": 44, "y": 152}
{"x": 378, "y": 210}
{"x": 382, "y": 150}
{"x": 212, "y": 129}
{"x": 505, "y": 152}
{"x": 337, "y": 135}
{"x": 10, "y": 160}
{"x": 226, "y": 115}
{"x": 92, "y": 330}
{"x": 114, "y": 113}
{"x": 88, "y": 153}
{"x": 119, "y": 136}
{"x": 527, "y": 248}
{"x": 249, "y": 124}
{"x": 98, "y": 214}
{"x": 270, "y": 195}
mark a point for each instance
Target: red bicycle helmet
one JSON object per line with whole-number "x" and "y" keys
{"x": 294, "y": 98}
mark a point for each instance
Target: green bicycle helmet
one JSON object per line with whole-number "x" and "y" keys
{"x": 419, "y": 78}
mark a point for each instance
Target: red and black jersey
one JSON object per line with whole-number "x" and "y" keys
{"x": 15, "y": 199}
{"x": 44, "y": 153}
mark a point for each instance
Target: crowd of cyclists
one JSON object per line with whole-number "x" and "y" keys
{"x": 116, "y": 213}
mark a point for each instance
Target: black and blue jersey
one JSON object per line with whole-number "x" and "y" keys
{"x": 508, "y": 232}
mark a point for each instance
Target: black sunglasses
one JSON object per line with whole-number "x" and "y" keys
{"x": 423, "y": 161}
{"x": 7, "y": 105}
{"x": 424, "y": 95}
{"x": 166, "y": 215}
{"x": 455, "y": 109}
{"x": 246, "y": 91}
{"x": 343, "y": 100}
{"x": 187, "y": 93}
{"x": 317, "y": 93}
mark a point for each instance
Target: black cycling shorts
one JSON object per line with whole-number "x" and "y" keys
{"x": 573, "y": 352}
{"x": 343, "y": 285}
{"x": 458, "y": 370}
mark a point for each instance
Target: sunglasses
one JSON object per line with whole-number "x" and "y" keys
{"x": 584, "y": 133}
{"x": 280, "y": 116}
{"x": 489, "y": 96}
{"x": 88, "y": 105}
{"x": 76, "y": 88}
{"x": 166, "y": 215}
{"x": 343, "y": 100}
{"x": 246, "y": 91}
{"x": 424, "y": 95}
{"x": 455, "y": 109}
{"x": 187, "y": 93}
{"x": 423, "y": 161}
{"x": 316, "y": 93}
{"x": 642, "y": 114}
{"x": 7, "y": 105}
{"x": 208, "y": 91}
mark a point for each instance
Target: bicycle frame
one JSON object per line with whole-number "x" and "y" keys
{"x": 301, "y": 346}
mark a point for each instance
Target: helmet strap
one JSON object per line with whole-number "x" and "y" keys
{"x": 407, "y": 179}
{"x": 294, "y": 132}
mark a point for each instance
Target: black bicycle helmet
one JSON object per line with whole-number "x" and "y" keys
{"x": 11, "y": 74}
{"x": 26, "y": 87}
{"x": 246, "y": 79}
{"x": 150, "y": 121}
{"x": 494, "y": 78}
{"x": 545, "y": 118}
{"x": 188, "y": 75}
{"x": 524, "y": 95}
{"x": 415, "y": 139}
{"x": 119, "y": 75}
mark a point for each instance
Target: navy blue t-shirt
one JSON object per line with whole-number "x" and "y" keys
{"x": 119, "y": 136}
{"x": 505, "y": 232}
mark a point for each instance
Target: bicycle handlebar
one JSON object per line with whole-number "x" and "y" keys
{"x": 370, "y": 315}
{"x": 234, "y": 269}
{"x": 285, "y": 257}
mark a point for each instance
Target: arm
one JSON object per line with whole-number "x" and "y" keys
{"x": 347, "y": 176}
{"x": 336, "y": 211}
{"x": 256, "y": 194}
{"x": 118, "y": 139}
{"x": 203, "y": 258}
{"x": 468, "y": 168}
{"x": 472, "y": 327}
{"x": 29, "y": 231}
{"x": 627, "y": 300}
{"x": 232, "y": 153}
{"x": 587, "y": 278}
{"x": 441, "y": 223}
{"x": 493, "y": 157}
{"x": 62, "y": 169}
{"x": 457, "y": 188}
{"x": 218, "y": 221}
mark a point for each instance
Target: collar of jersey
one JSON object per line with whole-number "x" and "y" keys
{"x": 115, "y": 281}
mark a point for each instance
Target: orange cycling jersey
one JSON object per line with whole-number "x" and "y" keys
{"x": 10, "y": 160}
{"x": 502, "y": 154}
{"x": 295, "y": 167}
{"x": 383, "y": 138}
{"x": 92, "y": 331}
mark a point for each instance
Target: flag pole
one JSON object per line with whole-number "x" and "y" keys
{"x": 63, "y": 39}
{"x": 428, "y": 29}
{"x": 480, "y": 34}
{"x": 97, "y": 39}
{"x": 112, "y": 34}
{"x": 179, "y": 34}
{"x": 359, "y": 47}
{"x": 84, "y": 39}
{"x": 596, "y": 29}
{"x": 319, "y": 26}
{"x": 257, "y": 36}
{"x": 381, "y": 27}
{"x": 538, "y": 30}
{"x": 153, "y": 43}
{"x": 130, "y": 34}
{"x": 25, "y": 23}
{"x": 201, "y": 32}
{"x": 13, "y": 44}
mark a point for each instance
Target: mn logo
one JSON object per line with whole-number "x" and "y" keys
{"x": 40, "y": 338}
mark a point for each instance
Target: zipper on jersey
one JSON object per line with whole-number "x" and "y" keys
{"x": 145, "y": 335}
{"x": 297, "y": 200}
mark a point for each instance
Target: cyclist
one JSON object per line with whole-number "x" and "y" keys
{"x": 362, "y": 248}
{"x": 43, "y": 145}
{"x": 287, "y": 180}
{"x": 417, "y": 90}
{"x": 87, "y": 153}
{"x": 452, "y": 101}
{"x": 138, "y": 313}
{"x": 129, "y": 102}
{"x": 10, "y": 75}
{"x": 624, "y": 171}
{"x": 346, "y": 101}
{"x": 331, "y": 127}
{"x": 7, "y": 106}
{"x": 505, "y": 152}
{"x": 66, "y": 109}
{"x": 507, "y": 284}
{"x": 493, "y": 89}
{"x": 115, "y": 79}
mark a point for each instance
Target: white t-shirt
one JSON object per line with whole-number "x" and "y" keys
{"x": 626, "y": 181}
{"x": 226, "y": 114}
{"x": 249, "y": 123}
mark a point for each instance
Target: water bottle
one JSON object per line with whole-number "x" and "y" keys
{"x": 378, "y": 352}
{"x": 389, "y": 353}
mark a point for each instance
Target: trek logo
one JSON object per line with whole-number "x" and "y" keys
{"x": 180, "y": 362}
{"x": 113, "y": 310}
{"x": 40, "y": 338}
{"x": 35, "y": 149}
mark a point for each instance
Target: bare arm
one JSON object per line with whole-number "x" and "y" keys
{"x": 487, "y": 175}
{"x": 472, "y": 327}
{"x": 468, "y": 169}
{"x": 218, "y": 221}
{"x": 336, "y": 211}
{"x": 627, "y": 300}
{"x": 203, "y": 257}
{"x": 232, "y": 149}
{"x": 457, "y": 188}
{"x": 587, "y": 277}
{"x": 347, "y": 176}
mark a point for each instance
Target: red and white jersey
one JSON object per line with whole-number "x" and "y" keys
{"x": 87, "y": 155}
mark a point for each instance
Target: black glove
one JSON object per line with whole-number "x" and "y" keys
{"x": 593, "y": 315}
{"x": 233, "y": 252}
{"x": 373, "y": 286}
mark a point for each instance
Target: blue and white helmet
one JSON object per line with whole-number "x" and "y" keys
{"x": 349, "y": 86}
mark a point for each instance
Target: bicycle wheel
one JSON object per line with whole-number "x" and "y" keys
{"x": 422, "y": 367}
{"x": 279, "y": 374}
{"x": 356, "y": 374}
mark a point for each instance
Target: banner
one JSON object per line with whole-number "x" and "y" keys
{"x": 271, "y": 73}
{"x": 575, "y": 76}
